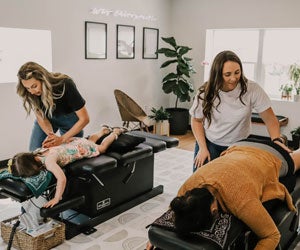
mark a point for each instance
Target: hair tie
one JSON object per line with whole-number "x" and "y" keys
{"x": 9, "y": 164}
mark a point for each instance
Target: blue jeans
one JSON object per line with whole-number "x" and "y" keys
{"x": 214, "y": 150}
{"x": 61, "y": 123}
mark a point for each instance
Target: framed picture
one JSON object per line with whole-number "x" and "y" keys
{"x": 125, "y": 41}
{"x": 150, "y": 43}
{"x": 95, "y": 40}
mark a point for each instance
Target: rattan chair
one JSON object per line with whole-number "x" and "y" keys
{"x": 132, "y": 115}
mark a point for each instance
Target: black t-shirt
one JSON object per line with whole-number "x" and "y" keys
{"x": 71, "y": 100}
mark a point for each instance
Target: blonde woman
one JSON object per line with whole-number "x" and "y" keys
{"x": 56, "y": 103}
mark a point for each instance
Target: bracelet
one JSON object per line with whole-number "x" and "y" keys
{"x": 280, "y": 139}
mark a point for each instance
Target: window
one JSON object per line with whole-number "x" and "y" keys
{"x": 266, "y": 54}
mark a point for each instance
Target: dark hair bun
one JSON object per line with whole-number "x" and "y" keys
{"x": 192, "y": 210}
{"x": 178, "y": 204}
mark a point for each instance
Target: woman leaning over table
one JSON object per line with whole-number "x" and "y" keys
{"x": 221, "y": 111}
{"x": 56, "y": 102}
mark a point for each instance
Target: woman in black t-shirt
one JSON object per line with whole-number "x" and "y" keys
{"x": 56, "y": 102}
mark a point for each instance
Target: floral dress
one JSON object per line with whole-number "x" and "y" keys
{"x": 75, "y": 150}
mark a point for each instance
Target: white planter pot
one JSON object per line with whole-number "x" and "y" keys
{"x": 162, "y": 128}
{"x": 286, "y": 95}
{"x": 297, "y": 98}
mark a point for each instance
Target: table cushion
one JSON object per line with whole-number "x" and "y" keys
{"x": 170, "y": 141}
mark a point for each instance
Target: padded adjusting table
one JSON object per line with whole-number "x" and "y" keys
{"x": 238, "y": 235}
{"x": 153, "y": 139}
{"x": 99, "y": 188}
{"x": 283, "y": 121}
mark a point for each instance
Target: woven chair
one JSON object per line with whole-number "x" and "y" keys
{"x": 132, "y": 115}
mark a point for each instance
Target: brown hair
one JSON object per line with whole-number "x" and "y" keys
{"x": 25, "y": 165}
{"x": 192, "y": 211}
{"x": 210, "y": 89}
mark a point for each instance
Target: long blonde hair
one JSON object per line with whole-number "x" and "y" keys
{"x": 45, "y": 103}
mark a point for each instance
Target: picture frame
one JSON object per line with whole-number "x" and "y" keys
{"x": 125, "y": 41}
{"x": 95, "y": 40}
{"x": 150, "y": 43}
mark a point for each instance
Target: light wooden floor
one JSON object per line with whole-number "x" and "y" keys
{"x": 187, "y": 141}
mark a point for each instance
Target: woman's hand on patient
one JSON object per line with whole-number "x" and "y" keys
{"x": 52, "y": 140}
{"x": 201, "y": 157}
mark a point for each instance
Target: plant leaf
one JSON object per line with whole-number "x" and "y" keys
{"x": 167, "y": 52}
{"x": 167, "y": 63}
{"x": 169, "y": 76}
{"x": 159, "y": 114}
{"x": 168, "y": 86}
{"x": 185, "y": 98}
{"x": 187, "y": 59}
{"x": 183, "y": 86}
{"x": 170, "y": 40}
{"x": 183, "y": 69}
{"x": 176, "y": 82}
{"x": 183, "y": 50}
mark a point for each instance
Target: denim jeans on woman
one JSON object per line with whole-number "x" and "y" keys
{"x": 61, "y": 123}
{"x": 214, "y": 150}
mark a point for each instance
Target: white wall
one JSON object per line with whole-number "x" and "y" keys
{"x": 96, "y": 79}
{"x": 191, "y": 18}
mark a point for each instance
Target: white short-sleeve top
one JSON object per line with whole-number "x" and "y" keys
{"x": 231, "y": 121}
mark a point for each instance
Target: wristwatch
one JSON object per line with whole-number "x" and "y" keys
{"x": 280, "y": 139}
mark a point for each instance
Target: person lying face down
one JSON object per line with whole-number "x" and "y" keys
{"x": 246, "y": 175}
{"x": 31, "y": 163}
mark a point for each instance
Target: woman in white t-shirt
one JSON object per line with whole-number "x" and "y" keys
{"x": 221, "y": 111}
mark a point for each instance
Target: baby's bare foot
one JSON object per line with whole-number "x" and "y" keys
{"x": 117, "y": 131}
{"x": 106, "y": 129}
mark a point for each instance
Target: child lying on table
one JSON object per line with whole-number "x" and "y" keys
{"x": 246, "y": 175}
{"x": 52, "y": 159}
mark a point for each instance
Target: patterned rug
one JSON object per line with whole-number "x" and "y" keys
{"x": 127, "y": 231}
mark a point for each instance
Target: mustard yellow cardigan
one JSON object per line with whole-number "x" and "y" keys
{"x": 241, "y": 179}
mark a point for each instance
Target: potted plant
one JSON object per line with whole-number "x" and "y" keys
{"x": 294, "y": 74}
{"x": 297, "y": 96}
{"x": 161, "y": 117}
{"x": 296, "y": 137}
{"x": 286, "y": 91}
{"x": 177, "y": 82}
